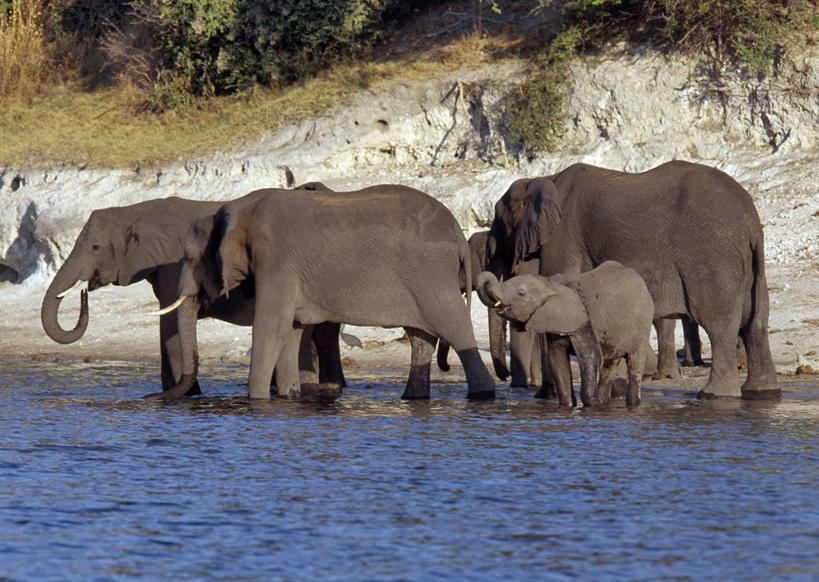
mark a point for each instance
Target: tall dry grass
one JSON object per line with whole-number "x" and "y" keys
{"x": 24, "y": 59}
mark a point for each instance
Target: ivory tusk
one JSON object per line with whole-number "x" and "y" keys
{"x": 498, "y": 303}
{"x": 71, "y": 289}
{"x": 169, "y": 308}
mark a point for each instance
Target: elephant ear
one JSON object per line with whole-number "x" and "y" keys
{"x": 150, "y": 242}
{"x": 232, "y": 254}
{"x": 537, "y": 224}
{"x": 561, "y": 313}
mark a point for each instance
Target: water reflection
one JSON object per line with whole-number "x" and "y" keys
{"x": 367, "y": 486}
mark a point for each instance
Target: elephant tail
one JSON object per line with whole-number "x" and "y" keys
{"x": 465, "y": 257}
{"x": 759, "y": 306}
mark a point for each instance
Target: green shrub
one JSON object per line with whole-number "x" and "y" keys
{"x": 215, "y": 46}
{"x": 752, "y": 31}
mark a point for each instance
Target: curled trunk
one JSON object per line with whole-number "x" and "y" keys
{"x": 489, "y": 289}
{"x": 51, "y": 306}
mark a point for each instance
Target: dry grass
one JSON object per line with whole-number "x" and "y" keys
{"x": 105, "y": 128}
{"x": 24, "y": 61}
{"x": 68, "y": 124}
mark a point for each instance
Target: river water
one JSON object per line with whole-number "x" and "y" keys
{"x": 99, "y": 484}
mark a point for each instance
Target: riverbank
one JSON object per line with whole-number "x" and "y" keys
{"x": 445, "y": 135}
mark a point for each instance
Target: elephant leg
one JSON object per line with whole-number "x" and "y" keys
{"x": 608, "y": 372}
{"x": 326, "y": 339}
{"x": 761, "y": 381}
{"x": 272, "y": 322}
{"x": 447, "y": 315}
{"x": 535, "y": 367}
{"x": 520, "y": 347}
{"x": 548, "y": 383}
{"x": 667, "y": 366}
{"x": 636, "y": 363}
{"x": 497, "y": 343}
{"x": 423, "y": 346}
{"x": 693, "y": 344}
{"x": 590, "y": 360}
{"x": 287, "y": 365}
{"x": 308, "y": 358}
{"x": 561, "y": 371}
{"x": 724, "y": 378}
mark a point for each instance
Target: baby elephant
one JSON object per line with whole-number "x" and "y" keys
{"x": 603, "y": 315}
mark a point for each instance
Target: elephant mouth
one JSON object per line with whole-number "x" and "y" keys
{"x": 95, "y": 282}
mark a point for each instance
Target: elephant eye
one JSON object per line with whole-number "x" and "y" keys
{"x": 95, "y": 247}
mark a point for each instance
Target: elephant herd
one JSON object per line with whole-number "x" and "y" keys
{"x": 581, "y": 262}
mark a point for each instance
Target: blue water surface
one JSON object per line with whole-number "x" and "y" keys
{"x": 97, "y": 483}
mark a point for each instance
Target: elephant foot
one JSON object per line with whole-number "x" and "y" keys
{"x": 194, "y": 390}
{"x": 547, "y": 393}
{"x": 762, "y": 394}
{"x": 713, "y": 391}
{"x": 321, "y": 391}
{"x": 414, "y": 395}
{"x": 761, "y": 387}
{"x": 666, "y": 373}
{"x": 482, "y": 394}
{"x": 188, "y": 386}
{"x": 619, "y": 388}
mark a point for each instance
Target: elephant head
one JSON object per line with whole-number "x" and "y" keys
{"x": 118, "y": 245}
{"x": 543, "y": 306}
{"x": 525, "y": 217}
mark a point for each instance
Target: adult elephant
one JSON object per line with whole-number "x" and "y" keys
{"x": 387, "y": 255}
{"x": 692, "y": 233}
{"x": 126, "y": 244}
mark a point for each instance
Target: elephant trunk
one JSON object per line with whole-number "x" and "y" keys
{"x": 63, "y": 281}
{"x": 489, "y": 289}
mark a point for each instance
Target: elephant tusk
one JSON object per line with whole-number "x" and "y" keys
{"x": 169, "y": 308}
{"x": 498, "y": 303}
{"x": 71, "y": 289}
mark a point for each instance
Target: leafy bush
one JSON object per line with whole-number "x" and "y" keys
{"x": 209, "y": 47}
{"x": 753, "y": 31}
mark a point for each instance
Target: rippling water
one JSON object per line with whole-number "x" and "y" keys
{"x": 100, "y": 484}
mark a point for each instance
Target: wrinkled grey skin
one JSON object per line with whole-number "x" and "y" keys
{"x": 603, "y": 316}
{"x": 388, "y": 256}
{"x": 692, "y": 233}
{"x": 524, "y": 346}
{"x": 126, "y": 244}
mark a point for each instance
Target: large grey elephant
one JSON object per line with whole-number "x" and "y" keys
{"x": 692, "y": 233}
{"x": 126, "y": 244}
{"x": 388, "y": 256}
{"x": 602, "y": 315}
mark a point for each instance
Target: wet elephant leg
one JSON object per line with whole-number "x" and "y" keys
{"x": 535, "y": 365}
{"x": 326, "y": 339}
{"x": 308, "y": 358}
{"x": 635, "y": 362}
{"x": 423, "y": 346}
{"x": 724, "y": 378}
{"x": 560, "y": 371}
{"x": 693, "y": 344}
{"x": 548, "y": 385}
{"x": 287, "y": 365}
{"x": 520, "y": 348}
{"x": 667, "y": 366}
{"x": 608, "y": 373}
{"x": 761, "y": 381}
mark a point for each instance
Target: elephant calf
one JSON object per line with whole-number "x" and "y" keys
{"x": 604, "y": 315}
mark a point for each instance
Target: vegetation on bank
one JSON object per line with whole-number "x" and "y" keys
{"x": 112, "y": 82}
